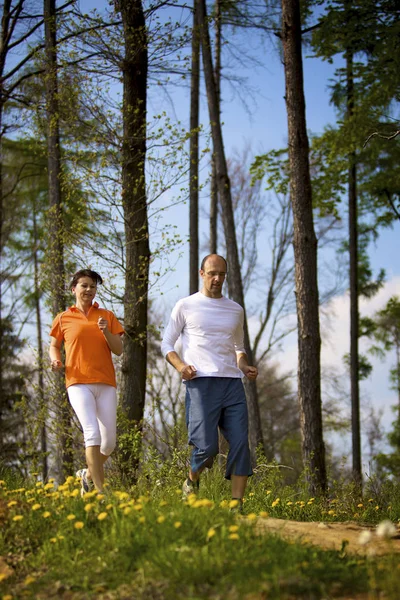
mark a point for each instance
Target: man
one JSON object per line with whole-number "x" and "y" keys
{"x": 212, "y": 365}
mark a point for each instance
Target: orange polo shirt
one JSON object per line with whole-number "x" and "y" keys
{"x": 87, "y": 354}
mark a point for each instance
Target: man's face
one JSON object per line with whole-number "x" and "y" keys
{"x": 213, "y": 277}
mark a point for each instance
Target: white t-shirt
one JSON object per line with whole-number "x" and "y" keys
{"x": 211, "y": 331}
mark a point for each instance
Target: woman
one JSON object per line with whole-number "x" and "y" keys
{"x": 90, "y": 334}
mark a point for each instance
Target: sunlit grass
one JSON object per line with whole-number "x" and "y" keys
{"x": 148, "y": 536}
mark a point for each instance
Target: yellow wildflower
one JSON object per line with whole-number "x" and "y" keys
{"x": 331, "y": 512}
{"x": 142, "y": 519}
{"x": 53, "y": 540}
{"x": 36, "y": 506}
{"x": 268, "y": 492}
{"x": 233, "y": 536}
{"x": 177, "y": 524}
{"x": 88, "y": 507}
{"x": 2, "y": 483}
{"x": 275, "y": 502}
{"x": 127, "y": 510}
{"x": 75, "y": 493}
{"x": 264, "y": 514}
{"x": 71, "y": 517}
{"x": 18, "y": 518}
{"x": 251, "y": 494}
{"x": 138, "y": 507}
{"x": 211, "y": 532}
{"x": 109, "y": 506}
{"x": 160, "y": 519}
{"x": 223, "y": 503}
{"x": 252, "y": 516}
{"x": 49, "y": 486}
{"x": 12, "y": 503}
{"x": 360, "y": 505}
{"x": 100, "y": 497}
{"x": 46, "y": 514}
{"x": 7, "y": 597}
{"x": 290, "y": 503}
{"x": 39, "y": 484}
{"x": 163, "y": 503}
{"x": 233, "y": 528}
{"x": 29, "y": 579}
{"x": 102, "y": 516}
{"x": 233, "y": 503}
{"x": 72, "y": 479}
{"x": 79, "y": 525}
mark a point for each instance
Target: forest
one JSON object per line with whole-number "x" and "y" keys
{"x": 88, "y": 174}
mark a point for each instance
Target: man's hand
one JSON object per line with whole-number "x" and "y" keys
{"x": 250, "y": 372}
{"x": 188, "y": 372}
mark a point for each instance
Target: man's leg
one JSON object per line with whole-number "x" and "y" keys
{"x": 234, "y": 426}
{"x": 202, "y": 415}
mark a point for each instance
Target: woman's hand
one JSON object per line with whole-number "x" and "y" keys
{"x": 102, "y": 324}
{"x": 56, "y": 365}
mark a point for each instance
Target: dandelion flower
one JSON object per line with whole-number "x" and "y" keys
{"x": 99, "y": 496}
{"x": 177, "y": 524}
{"x": 275, "y": 502}
{"x": 211, "y": 532}
{"x": 163, "y": 503}
{"x": 251, "y": 494}
{"x": 233, "y": 503}
{"x": 127, "y": 510}
{"x": 53, "y": 540}
{"x": 290, "y": 503}
{"x": 36, "y": 506}
{"x": 60, "y": 537}
{"x": 39, "y": 484}
{"x": 386, "y": 529}
{"x": 46, "y": 514}
{"x": 18, "y": 518}
{"x": 79, "y": 525}
{"x": 7, "y": 597}
{"x": 75, "y": 493}
{"x": 223, "y": 503}
{"x": 178, "y": 492}
{"x": 49, "y": 486}
{"x": 29, "y": 579}
{"x": 88, "y": 507}
{"x": 252, "y": 516}
{"x": 268, "y": 492}
{"x": 233, "y": 528}
{"x": 138, "y": 507}
{"x": 142, "y": 519}
{"x": 233, "y": 536}
{"x": 12, "y": 503}
{"x": 71, "y": 517}
{"x": 264, "y": 514}
{"x": 160, "y": 519}
{"x": 2, "y": 482}
{"x": 360, "y": 505}
{"x": 102, "y": 516}
{"x": 109, "y": 506}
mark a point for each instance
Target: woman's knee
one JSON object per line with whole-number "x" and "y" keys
{"x": 108, "y": 444}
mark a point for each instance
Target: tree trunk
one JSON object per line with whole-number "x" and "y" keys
{"x": 214, "y": 183}
{"x": 135, "y": 66}
{"x": 354, "y": 314}
{"x": 305, "y": 252}
{"x": 55, "y": 247}
{"x": 235, "y": 280}
{"x": 194, "y": 158}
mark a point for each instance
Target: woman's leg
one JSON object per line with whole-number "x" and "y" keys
{"x": 84, "y": 402}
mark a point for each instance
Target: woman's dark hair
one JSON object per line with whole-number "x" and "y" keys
{"x": 85, "y": 273}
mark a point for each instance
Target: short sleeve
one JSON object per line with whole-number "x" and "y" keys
{"x": 239, "y": 334}
{"x": 115, "y": 326}
{"x": 56, "y": 330}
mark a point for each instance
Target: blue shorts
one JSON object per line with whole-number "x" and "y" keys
{"x": 213, "y": 402}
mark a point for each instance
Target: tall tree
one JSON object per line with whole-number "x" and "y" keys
{"x": 137, "y": 251}
{"x": 194, "y": 158}
{"x": 55, "y": 246}
{"x": 305, "y": 251}
{"x": 234, "y": 274}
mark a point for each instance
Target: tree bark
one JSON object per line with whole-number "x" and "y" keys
{"x": 55, "y": 248}
{"x": 305, "y": 252}
{"x": 135, "y": 66}
{"x": 194, "y": 159}
{"x": 354, "y": 291}
{"x": 234, "y": 275}
{"x": 214, "y": 183}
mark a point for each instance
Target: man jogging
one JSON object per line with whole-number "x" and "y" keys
{"x": 212, "y": 365}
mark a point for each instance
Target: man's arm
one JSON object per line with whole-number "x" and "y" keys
{"x": 187, "y": 371}
{"x": 247, "y": 370}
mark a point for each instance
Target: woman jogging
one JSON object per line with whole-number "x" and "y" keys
{"x": 90, "y": 334}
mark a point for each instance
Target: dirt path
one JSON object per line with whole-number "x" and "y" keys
{"x": 331, "y": 536}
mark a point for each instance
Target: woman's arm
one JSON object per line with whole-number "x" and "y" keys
{"x": 55, "y": 354}
{"x": 113, "y": 340}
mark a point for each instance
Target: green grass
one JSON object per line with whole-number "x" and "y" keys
{"x": 148, "y": 543}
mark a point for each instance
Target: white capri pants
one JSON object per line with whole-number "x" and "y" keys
{"x": 95, "y": 405}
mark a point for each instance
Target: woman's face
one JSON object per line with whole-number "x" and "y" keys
{"x": 85, "y": 290}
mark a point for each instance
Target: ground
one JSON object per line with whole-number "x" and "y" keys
{"x": 333, "y": 536}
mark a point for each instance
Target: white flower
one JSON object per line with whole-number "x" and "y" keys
{"x": 386, "y": 529}
{"x": 365, "y": 537}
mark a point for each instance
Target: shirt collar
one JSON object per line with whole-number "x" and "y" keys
{"x": 74, "y": 309}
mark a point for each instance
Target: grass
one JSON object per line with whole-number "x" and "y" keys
{"x": 146, "y": 543}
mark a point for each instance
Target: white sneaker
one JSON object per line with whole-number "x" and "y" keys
{"x": 86, "y": 484}
{"x": 190, "y": 487}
